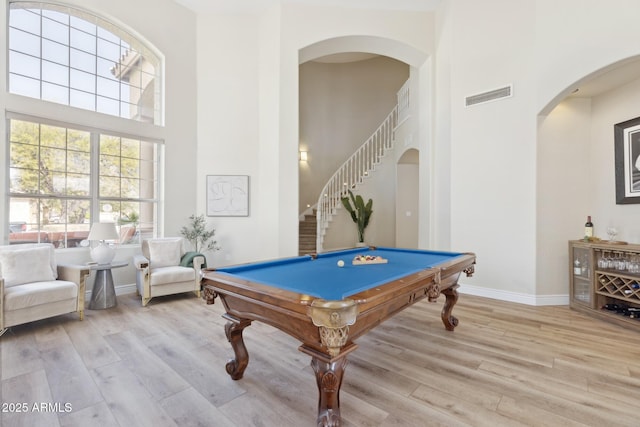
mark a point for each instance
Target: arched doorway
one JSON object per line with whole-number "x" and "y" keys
{"x": 407, "y": 191}
{"x": 417, "y": 137}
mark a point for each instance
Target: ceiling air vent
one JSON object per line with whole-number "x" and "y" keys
{"x": 492, "y": 95}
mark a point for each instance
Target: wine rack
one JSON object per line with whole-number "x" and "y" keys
{"x": 605, "y": 280}
{"x": 620, "y": 287}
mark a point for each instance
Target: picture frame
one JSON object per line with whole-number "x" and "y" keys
{"x": 227, "y": 195}
{"x": 627, "y": 161}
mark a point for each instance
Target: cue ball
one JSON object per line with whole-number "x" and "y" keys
{"x": 341, "y": 263}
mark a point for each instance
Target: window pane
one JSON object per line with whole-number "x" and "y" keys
{"x": 23, "y": 211}
{"x": 78, "y": 184}
{"x": 55, "y": 73}
{"x": 78, "y": 212}
{"x": 52, "y": 159}
{"x": 83, "y": 81}
{"x": 109, "y": 165}
{"x": 59, "y": 182}
{"x": 60, "y": 17}
{"x": 104, "y": 69}
{"x": 82, "y": 100}
{"x": 109, "y": 88}
{"x": 109, "y": 187}
{"x": 78, "y": 140}
{"x": 24, "y": 86}
{"x": 23, "y": 181}
{"x": 23, "y": 156}
{"x": 130, "y": 168}
{"x": 109, "y": 145}
{"x": 24, "y": 64}
{"x": 131, "y": 148}
{"x": 130, "y": 188}
{"x": 55, "y": 31}
{"x": 83, "y": 25}
{"x": 55, "y": 93}
{"x": 78, "y": 161}
{"x": 25, "y": 132}
{"x": 24, "y": 42}
{"x": 55, "y": 52}
{"x": 108, "y": 106}
{"x": 53, "y": 136}
{"x": 83, "y": 61}
{"x": 108, "y": 50}
{"x": 27, "y": 20}
{"x": 83, "y": 41}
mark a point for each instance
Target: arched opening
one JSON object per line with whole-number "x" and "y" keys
{"x": 576, "y": 166}
{"x": 375, "y": 50}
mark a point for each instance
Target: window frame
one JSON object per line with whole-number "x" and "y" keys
{"x": 94, "y": 197}
{"x": 137, "y": 44}
{"x": 33, "y": 109}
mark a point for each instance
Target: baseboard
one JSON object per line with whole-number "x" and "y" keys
{"x": 120, "y": 290}
{"x": 520, "y": 298}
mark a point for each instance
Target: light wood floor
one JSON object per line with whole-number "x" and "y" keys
{"x": 163, "y": 365}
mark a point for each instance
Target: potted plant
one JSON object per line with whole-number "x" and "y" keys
{"x": 360, "y": 212}
{"x": 128, "y": 227}
{"x": 201, "y": 238}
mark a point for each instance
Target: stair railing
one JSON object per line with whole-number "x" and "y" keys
{"x": 353, "y": 172}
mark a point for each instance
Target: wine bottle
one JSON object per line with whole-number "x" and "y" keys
{"x": 588, "y": 227}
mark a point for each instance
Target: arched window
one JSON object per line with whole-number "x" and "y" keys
{"x": 64, "y": 176}
{"x": 68, "y": 56}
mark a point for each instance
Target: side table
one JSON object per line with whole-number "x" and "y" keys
{"x": 103, "y": 294}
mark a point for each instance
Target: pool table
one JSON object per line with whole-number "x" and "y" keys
{"x": 326, "y": 307}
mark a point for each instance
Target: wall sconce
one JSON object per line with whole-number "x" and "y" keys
{"x": 303, "y": 156}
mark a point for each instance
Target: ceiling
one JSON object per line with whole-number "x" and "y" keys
{"x": 257, "y": 6}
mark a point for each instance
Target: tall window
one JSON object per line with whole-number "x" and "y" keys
{"x": 63, "y": 176}
{"x": 51, "y": 194}
{"x": 68, "y": 56}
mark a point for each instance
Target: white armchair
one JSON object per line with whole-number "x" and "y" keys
{"x": 34, "y": 287}
{"x": 164, "y": 268}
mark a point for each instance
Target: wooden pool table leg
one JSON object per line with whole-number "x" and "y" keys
{"x": 329, "y": 378}
{"x": 233, "y": 329}
{"x": 449, "y": 320}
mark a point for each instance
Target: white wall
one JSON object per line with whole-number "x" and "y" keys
{"x": 172, "y": 32}
{"x": 564, "y": 189}
{"x": 493, "y": 151}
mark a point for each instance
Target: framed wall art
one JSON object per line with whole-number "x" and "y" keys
{"x": 627, "y": 161}
{"x": 227, "y": 195}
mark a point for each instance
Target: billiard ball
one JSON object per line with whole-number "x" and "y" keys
{"x": 341, "y": 263}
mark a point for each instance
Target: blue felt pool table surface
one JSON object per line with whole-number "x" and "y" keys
{"x": 322, "y": 278}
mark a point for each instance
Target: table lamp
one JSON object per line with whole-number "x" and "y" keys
{"x": 103, "y": 231}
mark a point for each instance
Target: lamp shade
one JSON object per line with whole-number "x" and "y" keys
{"x": 103, "y": 231}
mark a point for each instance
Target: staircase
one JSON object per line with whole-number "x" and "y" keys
{"x": 352, "y": 173}
{"x": 307, "y": 235}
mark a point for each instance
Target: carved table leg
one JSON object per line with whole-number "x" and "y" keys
{"x": 329, "y": 379}
{"x": 449, "y": 320}
{"x": 233, "y": 329}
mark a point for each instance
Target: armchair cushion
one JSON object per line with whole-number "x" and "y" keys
{"x": 33, "y": 264}
{"x": 173, "y": 274}
{"x": 164, "y": 252}
{"x": 37, "y": 293}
